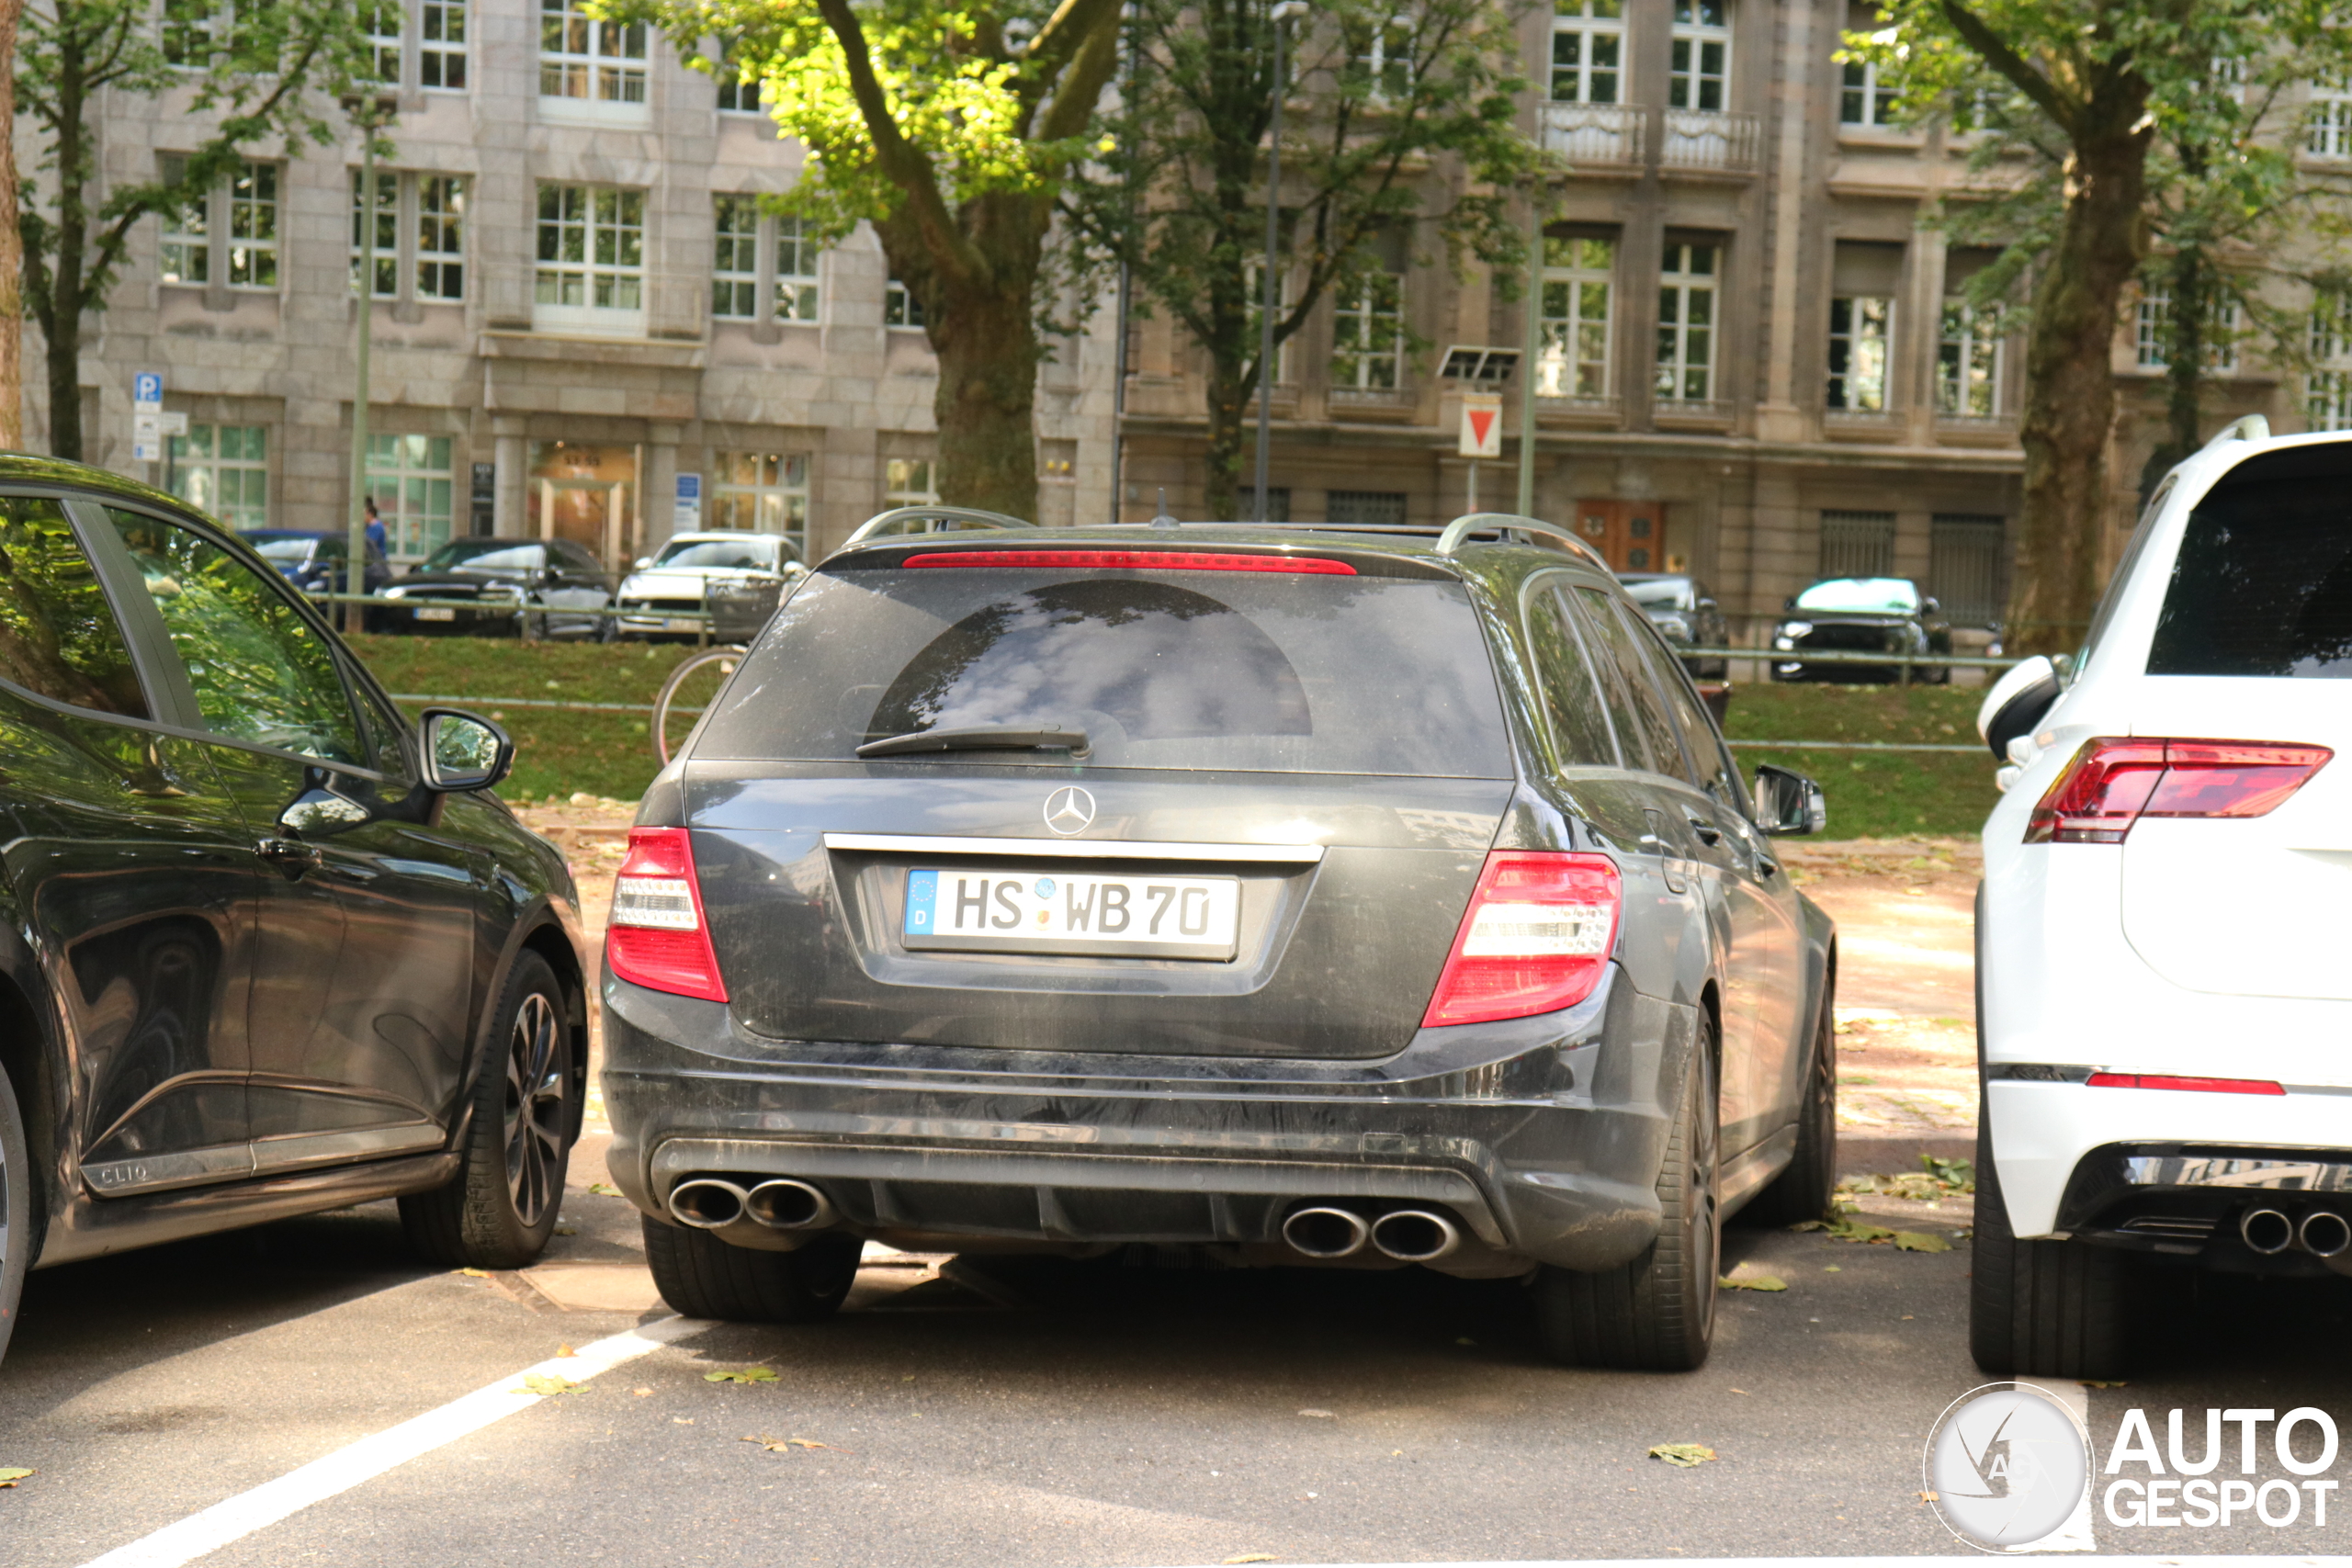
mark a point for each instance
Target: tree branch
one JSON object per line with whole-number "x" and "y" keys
{"x": 901, "y": 162}
{"x": 1087, "y": 73}
{"x": 1994, "y": 51}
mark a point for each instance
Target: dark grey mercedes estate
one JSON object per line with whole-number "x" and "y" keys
{"x": 1309, "y": 895}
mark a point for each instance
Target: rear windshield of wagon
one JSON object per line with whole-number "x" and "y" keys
{"x": 1269, "y": 673}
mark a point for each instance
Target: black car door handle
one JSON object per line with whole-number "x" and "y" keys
{"x": 290, "y": 855}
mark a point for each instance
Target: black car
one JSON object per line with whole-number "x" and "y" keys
{"x": 1859, "y": 614}
{"x": 313, "y": 560}
{"x": 535, "y": 588}
{"x": 1301, "y": 895}
{"x": 268, "y": 948}
{"x": 1685, "y": 614}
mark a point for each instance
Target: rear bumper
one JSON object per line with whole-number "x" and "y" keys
{"x": 1542, "y": 1136}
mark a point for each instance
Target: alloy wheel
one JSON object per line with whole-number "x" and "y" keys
{"x": 535, "y": 1107}
{"x": 1706, "y": 1239}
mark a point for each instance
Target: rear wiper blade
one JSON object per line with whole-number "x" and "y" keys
{"x": 979, "y": 737}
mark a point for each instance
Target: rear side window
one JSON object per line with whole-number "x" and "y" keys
{"x": 1644, "y": 727}
{"x": 1579, "y": 727}
{"x": 1709, "y": 771}
{"x": 2263, "y": 582}
{"x": 58, "y": 635}
{"x": 1161, "y": 670}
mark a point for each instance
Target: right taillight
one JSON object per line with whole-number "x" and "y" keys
{"x": 657, "y": 937}
{"x": 1536, "y": 938}
{"x": 2113, "y": 783}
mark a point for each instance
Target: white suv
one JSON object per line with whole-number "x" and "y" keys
{"x": 2165, "y": 979}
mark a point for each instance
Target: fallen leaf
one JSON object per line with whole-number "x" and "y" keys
{"x": 567, "y": 1230}
{"x": 540, "y": 1382}
{"x": 682, "y": 1420}
{"x": 1739, "y": 1391}
{"x": 603, "y": 1190}
{"x": 1319, "y": 1415}
{"x": 786, "y": 1445}
{"x": 642, "y": 1392}
{"x": 10, "y": 1477}
{"x": 1252, "y": 1556}
{"x": 1926, "y": 1497}
{"x": 475, "y": 1273}
{"x": 2094, "y": 1382}
{"x": 1683, "y": 1455}
{"x": 1753, "y": 1282}
{"x": 565, "y": 1351}
{"x": 1919, "y": 1241}
{"x": 1833, "y": 1269}
{"x": 749, "y": 1374}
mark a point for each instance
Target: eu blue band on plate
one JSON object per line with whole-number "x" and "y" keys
{"x": 922, "y": 893}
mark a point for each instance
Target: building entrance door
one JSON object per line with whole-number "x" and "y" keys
{"x": 1630, "y": 535}
{"x": 587, "y": 512}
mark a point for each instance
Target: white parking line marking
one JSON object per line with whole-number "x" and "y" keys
{"x": 236, "y": 1517}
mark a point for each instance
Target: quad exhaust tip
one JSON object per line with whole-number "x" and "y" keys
{"x": 707, "y": 1203}
{"x": 714, "y": 1202}
{"x": 1325, "y": 1232}
{"x": 2325, "y": 1232}
{"x": 1415, "y": 1235}
{"x": 787, "y": 1205}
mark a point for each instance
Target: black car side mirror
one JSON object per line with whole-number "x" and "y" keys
{"x": 1789, "y": 804}
{"x": 463, "y": 751}
{"x": 1930, "y": 606}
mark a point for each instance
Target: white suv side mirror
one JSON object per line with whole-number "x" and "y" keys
{"x": 2016, "y": 704}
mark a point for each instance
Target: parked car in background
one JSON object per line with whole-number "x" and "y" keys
{"x": 2164, "y": 996}
{"x": 314, "y": 561}
{"x": 1302, "y": 896}
{"x": 523, "y": 587}
{"x": 266, "y": 946}
{"x": 677, "y": 582}
{"x": 1685, "y": 614}
{"x": 1859, "y": 614}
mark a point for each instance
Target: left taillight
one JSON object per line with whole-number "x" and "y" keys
{"x": 657, "y": 937}
{"x": 2112, "y": 783}
{"x": 1536, "y": 938}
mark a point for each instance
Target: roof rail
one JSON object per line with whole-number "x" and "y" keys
{"x": 1459, "y": 531}
{"x": 960, "y": 516}
{"x": 2253, "y": 427}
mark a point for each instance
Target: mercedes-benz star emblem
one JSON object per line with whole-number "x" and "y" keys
{"x": 1069, "y": 809}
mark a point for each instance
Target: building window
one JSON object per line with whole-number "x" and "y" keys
{"x": 440, "y": 236}
{"x": 592, "y": 254}
{"x": 1968, "y": 569}
{"x": 593, "y": 60}
{"x": 1686, "y": 324}
{"x": 1857, "y": 544}
{"x": 1859, "y": 331}
{"x": 1383, "y": 55}
{"x": 738, "y": 94}
{"x": 735, "y": 262}
{"x": 1864, "y": 99}
{"x": 1578, "y": 283}
{"x": 410, "y": 478}
{"x": 192, "y": 30}
{"x": 1364, "y": 506}
{"x": 1702, "y": 55}
{"x": 907, "y": 482}
{"x": 387, "y": 253}
{"x": 1368, "y": 333}
{"x": 253, "y": 227}
{"x": 2327, "y": 121}
{"x": 383, "y": 21}
{"x": 187, "y": 243}
{"x": 899, "y": 307}
{"x": 765, "y": 492}
{"x": 2151, "y": 326}
{"x": 797, "y": 296}
{"x": 441, "y": 54}
{"x": 2327, "y": 391}
{"x": 223, "y": 470}
{"x": 1968, "y": 362}
{"x": 1587, "y": 51}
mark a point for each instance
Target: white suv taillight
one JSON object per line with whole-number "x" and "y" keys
{"x": 657, "y": 937}
{"x": 2112, "y": 783}
{"x": 1536, "y": 938}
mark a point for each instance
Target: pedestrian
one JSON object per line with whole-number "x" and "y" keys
{"x": 375, "y": 528}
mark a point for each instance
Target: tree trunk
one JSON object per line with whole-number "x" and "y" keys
{"x": 61, "y": 323}
{"x": 2070, "y": 387}
{"x": 12, "y": 247}
{"x": 2185, "y": 354}
{"x": 1229, "y": 398}
{"x": 987, "y": 343}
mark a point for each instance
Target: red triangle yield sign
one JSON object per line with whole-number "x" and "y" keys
{"x": 1481, "y": 420}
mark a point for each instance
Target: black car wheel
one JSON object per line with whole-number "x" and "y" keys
{"x": 16, "y": 1210}
{"x": 1802, "y": 1191}
{"x": 1656, "y": 1314}
{"x": 705, "y": 1277}
{"x": 608, "y": 628}
{"x": 501, "y": 1209}
{"x": 2059, "y": 1309}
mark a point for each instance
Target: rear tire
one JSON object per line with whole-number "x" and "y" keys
{"x": 702, "y": 1275}
{"x": 1656, "y": 1314}
{"x": 15, "y": 1209}
{"x": 1802, "y": 1190}
{"x": 501, "y": 1209}
{"x": 2041, "y": 1308}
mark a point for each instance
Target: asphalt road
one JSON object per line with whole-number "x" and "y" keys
{"x": 1041, "y": 1413}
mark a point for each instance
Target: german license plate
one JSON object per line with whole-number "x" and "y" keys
{"x": 994, "y": 910}
{"x": 433, "y": 614}
{"x": 680, "y": 623}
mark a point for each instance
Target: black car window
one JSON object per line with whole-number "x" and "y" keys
{"x": 261, "y": 672}
{"x": 1704, "y": 747}
{"x": 2263, "y": 582}
{"x": 388, "y": 733}
{"x": 1579, "y": 725}
{"x": 1646, "y": 709}
{"x": 575, "y": 558}
{"x": 59, "y": 638}
{"x": 1161, "y": 669}
{"x": 485, "y": 554}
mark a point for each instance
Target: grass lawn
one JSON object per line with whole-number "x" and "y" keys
{"x": 1877, "y": 794}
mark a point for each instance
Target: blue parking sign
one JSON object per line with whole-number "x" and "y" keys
{"x": 147, "y": 390}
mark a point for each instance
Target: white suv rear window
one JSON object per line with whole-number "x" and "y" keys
{"x": 2263, "y": 582}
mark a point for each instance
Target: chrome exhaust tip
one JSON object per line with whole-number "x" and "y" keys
{"x": 2266, "y": 1231}
{"x": 1415, "y": 1235}
{"x": 707, "y": 1203}
{"x": 1325, "y": 1232}
{"x": 787, "y": 1205}
{"x": 2325, "y": 1232}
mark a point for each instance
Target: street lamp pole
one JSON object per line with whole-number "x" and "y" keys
{"x": 369, "y": 114}
{"x": 1280, "y": 15}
